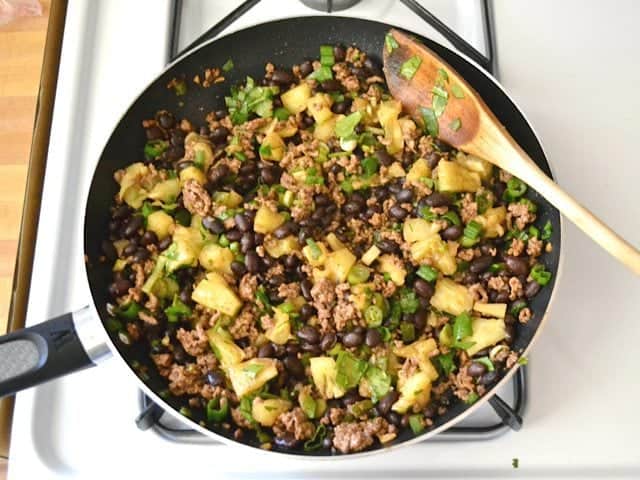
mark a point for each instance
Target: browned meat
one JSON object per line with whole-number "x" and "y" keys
{"x": 195, "y": 198}
{"x": 195, "y": 342}
{"x": 294, "y": 422}
{"x": 356, "y": 436}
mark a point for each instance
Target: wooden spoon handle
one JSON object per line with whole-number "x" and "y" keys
{"x": 530, "y": 173}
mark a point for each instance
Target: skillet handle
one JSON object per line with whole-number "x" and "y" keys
{"x": 46, "y": 351}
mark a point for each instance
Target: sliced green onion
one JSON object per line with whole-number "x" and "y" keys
{"x": 359, "y": 273}
{"x": 130, "y": 311}
{"x": 390, "y": 42}
{"x": 315, "y": 442}
{"x": 326, "y": 56}
{"x": 322, "y": 74}
{"x": 409, "y": 68}
{"x": 456, "y": 91}
{"x": 534, "y": 232}
{"x": 281, "y": 113}
{"x": 443, "y": 77}
{"x": 446, "y": 361}
{"x": 463, "y": 265}
{"x": 427, "y": 214}
{"x": 346, "y": 185}
{"x": 439, "y": 91}
{"x": 532, "y": 207}
{"x": 416, "y": 423}
{"x": 483, "y": 203}
{"x": 370, "y": 166}
{"x": 177, "y": 310}
{"x": 540, "y": 274}
{"x": 439, "y": 104}
{"x": 217, "y": 410}
{"x": 472, "y": 230}
{"x": 314, "y": 248}
{"x": 429, "y": 182}
{"x": 234, "y": 247}
{"x": 455, "y": 124}
{"x": 228, "y": 66}
{"x": 373, "y": 316}
{"x": 515, "y": 189}
{"x": 186, "y": 411}
{"x": 547, "y": 230}
{"x": 486, "y": 361}
{"x": 345, "y": 126}
{"x": 408, "y": 300}
{"x": 408, "y": 332}
{"x": 427, "y": 273}
{"x": 452, "y": 217}
{"x": 430, "y": 121}
{"x": 523, "y": 361}
{"x": 462, "y": 327}
{"x": 265, "y": 150}
{"x": 262, "y": 297}
{"x": 154, "y": 148}
{"x": 472, "y": 398}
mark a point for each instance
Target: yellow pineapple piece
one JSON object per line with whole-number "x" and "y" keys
{"x": 493, "y": 222}
{"x": 394, "y": 267}
{"x": 453, "y": 177}
{"x": 213, "y": 292}
{"x": 414, "y": 393}
{"x": 338, "y": 264}
{"x": 272, "y": 147}
{"x": 475, "y": 164}
{"x": 279, "y": 247}
{"x": 266, "y": 411}
{"x": 216, "y": 258}
{"x": 323, "y": 372}
{"x": 415, "y": 229}
{"x": 451, "y": 297}
{"x": 371, "y": 255}
{"x": 319, "y": 106}
{"x": 418, "y": 170}
{"x": 249, "y": 376}
{"x": 496, "y": 310}
{"x": 295, "y": 100}
{"x": 486, "y": 332}
{"x": 267, "y": 220}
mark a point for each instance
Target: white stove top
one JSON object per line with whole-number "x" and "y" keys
{"x": 582, "y": 419}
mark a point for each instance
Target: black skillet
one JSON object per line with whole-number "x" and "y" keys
{"x": 65, "y": 344}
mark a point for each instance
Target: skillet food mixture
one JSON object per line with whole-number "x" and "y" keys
{"x": 312, "y": 268}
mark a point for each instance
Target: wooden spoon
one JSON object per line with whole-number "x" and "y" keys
{"x": 469, "y": 125}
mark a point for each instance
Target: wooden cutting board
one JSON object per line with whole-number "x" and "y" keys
{"x": 21, "y": 48}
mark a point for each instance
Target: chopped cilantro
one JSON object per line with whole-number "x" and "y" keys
{"x": 250, "y": 99}
{"x": 349, "y": 370}
{"x": 523, "y": 361}
{"x": 446, "y": 363}
{"x": 345, "y": 126}
{"x": 314, "y": 248}
{"x": 430, "y": 121}
{"x": 177, "y": 310}
{"x": 409, "y": 302}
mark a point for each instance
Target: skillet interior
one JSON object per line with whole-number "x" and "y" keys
{"x": 283, "y": 42}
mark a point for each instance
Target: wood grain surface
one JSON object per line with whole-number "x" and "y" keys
{"x": 21, "y": 48}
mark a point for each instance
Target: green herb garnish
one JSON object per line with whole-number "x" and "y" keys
{"x": 322, "y": 74}
{"x": 456, "y": 91}
{"x": 455, "y": 124}
{"x": 349, "y": 370}
{"x": 154, "y": 148}
{"x": 472, "y": 398}
{"x": 250, "y": 99}
{"x": 228, "y": 66}
{"x": 177, "y": 310}
{"x": 547, "y": 230}
{"x": 486, "y": 361}
{"x": 427, "y": 273}
{"x": 390, "y": 42}
{"x": 315, "y": 442}
{"x": 316, "y": 252}
{"x": 445, "y": 363}
{"x": 430, "y": 121}
{"x": 379, "y": 382}
{"x": 462, "y": 329}
{"x": 416, "y": 423}
{"x": 451, "y": 217}
{"x": 370, "y": 166}
{"x": 540, "y": 274}
{"x": 217, "y": 410}
{"x": 409, "y": 68}
{"x": 346, "y": 126}
{"x": 409, "y": 302}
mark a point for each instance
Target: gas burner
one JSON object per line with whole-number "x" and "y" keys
{"x": 329, "y": 5}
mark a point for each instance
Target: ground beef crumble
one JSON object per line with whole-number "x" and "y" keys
{"x": 294, "y": 422}
{"x": 356, "y": 436}
{"x": 196, "y": 199}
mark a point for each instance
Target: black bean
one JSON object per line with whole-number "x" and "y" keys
{"x": 252, "y": 261}
{"x": 130, "y": 249}
{"x": 340, "y": 107}
{"x": 386, "y": 402}
{"x": 266, "y": 351}
{"x": 204, "y": 131}
{"x": 476, "y": 369}
{"x": 276, "y": 281}
{"x": 423, "y": 288}
{"x": 384, "y": 157}
{"x": 307, "y": 120}
{"x": 248, "y": 167}
{"x": 270, "y": 174}
{"x": 119, "y": 287}
{"x": 501, "y": 297}
{"x": 328, "y": 341}
{"x": 286, "y": 229}
{"x": 420, "y": 320}
{"x": 318, "y": 214}
{"x": 489, "y": 377}
{"x": 307, "y": 311}
{"x": 312, "y": 348}
{"x": 398, "y": 212}
{"x": 292, "y": 348}
{"x": 351, "y": 397}
{"x": 165, "y": 119}
{"x": 141, "y": 255}
{"x": 234, "y": 235}
{"x": 281, "y": 77}
{"x": 442, "y": 146}
{"x": 433, "y": 159}
{"x": 287, "y": 440}
{"x": 185, "y": 294}
{"x": 154, "y": 133}
{"x": 149, "y": 238}
{"x": 215, "y": 378}
{"x": 268, "y": 261}
{"x": 488, "y": 249}
{"x": 294, "y": 366}
{"x": 331, "y": 86}
{"x": 339, "y": 53}
{"x": 387, "y": 246}
{"x": 247, "y": 242}
{"x": 469, "y": 278}
{"x": 242, "y": 222}
{"x": 510, "y": 334}
{"x": 217, "y": 173}
{"x": 164, "y": 243}
{"x": 134, "y": 224}
{"x": 291, "y": 262}
{"x": 373, "y": 337}
{"x": 238, "y": 268}
{"x": 499, "y": 189}
{"x": 305, "y": 288}
{"x": 353, "y": 339}
{"x": 213, "y": 225}
{"x": 109, "y": 250}
{"x": 373, "y": 66}
{"x": 509, "y": 319}
{"x": 437, "y": 199}
{"x": 219, "y": 135}
{"x": 121, "y": 212}
{"x": 175, "y": 153}
{"x": 306, "y": 68}
{"x": 531, "y": 289}
{"x": 394, "y": 419}
{"x": 309, "y": 334}
{"x": 359, "y": 72}
{"x": 480, "y": 264}
{"x": 517, "y": 265}
{"x": 404, "y": 196}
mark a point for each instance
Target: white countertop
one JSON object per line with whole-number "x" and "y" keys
{"x": 572, "y": 67}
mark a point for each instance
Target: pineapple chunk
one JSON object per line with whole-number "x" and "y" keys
{"x": 131, "y": 190}
{"x": 338, "y": 264}
{"x": 222, "y": 345}
{"x": 420, "y": 351}
{"x": 192, "y": 173}
{"x": 202, "y": 154}
{"x": 475, "y": 164}
{"x": 451, "y": 297}
{"x": 213, "y": 292}
{"x": 394, "y": 267}
{"x": 435, "y": 251}
{"x": 496, "y": 310}
{"x": 359, "y": 295}
{"x": 418, "y": 170}
{"x": 166, "y": 191}
{"x": 267, "y": 220}
{"x": 486, "y": 332}
{"x": 295, "y": 100}
{"x": 395, "y": 170}
{"x": 266, "y": 411}
{"x": 492, "y": 221}
{"x": 453, "y": 177}
{"x": 323, "y": 372}
{"x": 388, "y": 113}
{"x": 280, "y": 333}
{"x": 414, "y": 393}
{"x": 312, "y": 256}
{"x": 216, "y": 258}
{"x": 279, "y": 247}
{"x": 334, "y": 242}
{"x": 272, "y": 147}
{"x": 228, "y": 199}
{"x": 249, "y": 376}
{"x": 324, "y": 131}
{"x": 160, "y": 223}
{"x": 370, "y": 255}
{"x": 319, "y": 107}
{"x": 415, "y": 229}
{"x": 184, "y": 250}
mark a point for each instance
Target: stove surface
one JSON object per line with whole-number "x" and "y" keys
{"x": 582, "y": 420}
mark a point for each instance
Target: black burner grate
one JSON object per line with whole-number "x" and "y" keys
{"x": 151, "y": 415}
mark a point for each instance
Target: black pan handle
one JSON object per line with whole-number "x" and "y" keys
{"x": 45, "y": 351}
